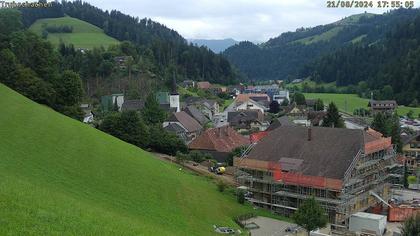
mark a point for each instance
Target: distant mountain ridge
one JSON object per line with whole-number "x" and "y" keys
{"x": 283, "y": 57}
{"x": 216, "y": 45}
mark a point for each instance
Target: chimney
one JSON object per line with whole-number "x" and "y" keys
{"x": 220, "y": 132}
{"x": 309, "y": 133}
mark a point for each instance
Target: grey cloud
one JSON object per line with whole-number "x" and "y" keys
{"x": 239, "y": 19}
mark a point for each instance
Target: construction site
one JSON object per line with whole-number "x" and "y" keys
{"x": 346, "y": 171}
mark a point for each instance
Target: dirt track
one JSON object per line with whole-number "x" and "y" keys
{"x": 200, "y": 169}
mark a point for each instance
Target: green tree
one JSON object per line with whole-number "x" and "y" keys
{"x": 333, "y": 117}
{"x": 127, "y": 126}
{"x": 299, "y": 98}
{"x": 69, "y": 89}
{"x": 389, "y": 126}
{"x": 9, "y": 65}
{"x": 166, "y": 142}
{"x": 237, "y": 152}
{"x": 410, "y": 114}
{"x": 240, "y": 196}
{"x": 319, "y": 105}
{"x": 181, "y": 158}
{"x": 411, "y": 226}
{"x": 28, "y": 84}
{"x": 387, "y": 92}
{"x": 152, "y": 113}
{"x": 285, "y": 102}
{"x": 10, "y": 21}
{"x": 221, "y": 186}
{"x": 310, "y": 215}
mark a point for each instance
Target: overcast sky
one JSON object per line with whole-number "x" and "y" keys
{"x": 253, "y": 20}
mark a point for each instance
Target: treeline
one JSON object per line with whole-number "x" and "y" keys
{"x": 59, "y": 29}
{"x": 30, "y": 66}
{"x": 389, "y": 68}
{"x": 167, "y": 48}
{"x": 284, "y": 57}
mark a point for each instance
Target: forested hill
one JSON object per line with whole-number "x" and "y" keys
{"x": 284, "y": 57}
{"x": 390, "y": 66}
{"x": 166, "y": 49}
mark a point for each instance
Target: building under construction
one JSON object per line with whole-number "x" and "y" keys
{"x": 345, "y": 170}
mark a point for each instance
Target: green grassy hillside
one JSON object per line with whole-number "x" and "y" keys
{"x": 61, "y": 177}
{"x": 84, "y": 35}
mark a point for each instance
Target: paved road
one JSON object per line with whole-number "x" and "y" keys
{"x": 270, "y": 227}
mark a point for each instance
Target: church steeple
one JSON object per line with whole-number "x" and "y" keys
{"x": 174, "y": 89}
{"x": 174, "y": 97}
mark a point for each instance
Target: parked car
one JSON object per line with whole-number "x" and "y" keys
{"x": 292, "y": 229}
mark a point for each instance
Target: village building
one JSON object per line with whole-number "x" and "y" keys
{"x": 296, "y": 81}
{"x": 108, "y": 102}
{"x": 123, "y": 61}
{"x": 388, "y": 106}
{"x": 197, "y": 115}
{"x": 247, "y": 120}
{"x": 188, "y": 84}
{"x": 411, "y": 151}
{"x": 191, "y": 127}
{"x": 208, "y": 107}
{"x": 281, "y": 121}
{"x": 250, "y": 102}
{"x": 218, "y": 142}
{"x": 281, "y": 96}
{"x": 203, "y": 85}
{"x": 133, "y": 105}
{"x": 179, "y": 130}
{"x": 169, "y": 101}
{"x": 345, "y": 170}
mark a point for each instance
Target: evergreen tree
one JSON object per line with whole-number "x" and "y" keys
{"x": 127, "y": 126}
{"x": 333, "y": 117}
{"x": 389, "y": 126}
{"x": 285, "y": 102}
{"x": 319, "y": 105}
{"x": 152, "y": 113}
{"x": 310, "y": 215}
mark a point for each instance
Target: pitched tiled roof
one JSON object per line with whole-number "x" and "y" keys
{"x": 174, "y": 127}
{"x": 256, "y": 96}
{"x": 199, "y": 101}
{"x": 186, "y": 120}
{"x": 328, "y": 153}
{"x": 246, "y": 115}
{"x": 281, "y": 121}
{"x": 203, "y": 85}
{"x": 197, "y": 115}
{"x": 132, "y": 105}
{"x": 223, "y": 139}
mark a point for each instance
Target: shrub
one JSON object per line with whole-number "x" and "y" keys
{"x": 241, "y": 196}
{"x": 221, "y": 186}
{"x": 411, "y": 179}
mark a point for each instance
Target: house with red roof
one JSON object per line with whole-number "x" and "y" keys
{"x": 219, "y": 142}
